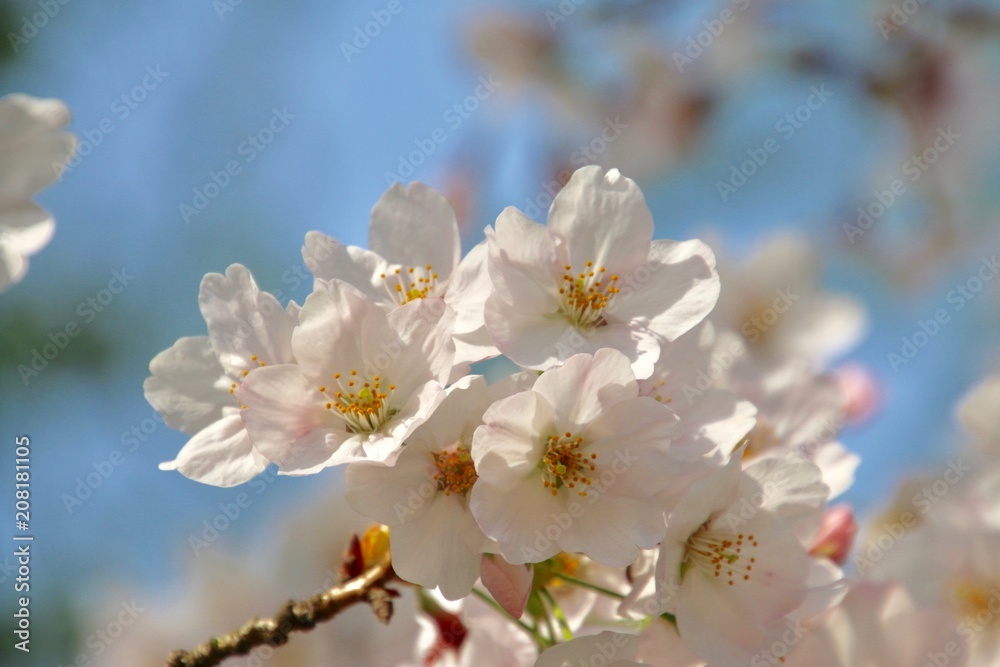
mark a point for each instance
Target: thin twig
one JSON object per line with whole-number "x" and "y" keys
{"x": 369, "y": 586}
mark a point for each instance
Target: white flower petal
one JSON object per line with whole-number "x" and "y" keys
{"x": 188, "y": 386}
{"x": 415, "y": 226}
{"x": 220, "y": 454}
{"x": 604, "y": 219}
{"x": 248, "y": 327}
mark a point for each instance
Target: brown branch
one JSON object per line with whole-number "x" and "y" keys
{"x": 368, "y": 586}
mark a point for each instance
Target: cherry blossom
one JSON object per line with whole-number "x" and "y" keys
{"x": 363, "y": 381}
{"x": 195, "y": 383}
{"x": 593, "y": 278}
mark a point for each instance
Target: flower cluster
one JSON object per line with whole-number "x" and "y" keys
{"x": 645, "y": 471}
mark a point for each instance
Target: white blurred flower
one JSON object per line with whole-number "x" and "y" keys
{"x": 798, "y": 411}
{"x": 775, "y": 300}
{"x": 33, "y": 153}
{"x": 876, "y": 626}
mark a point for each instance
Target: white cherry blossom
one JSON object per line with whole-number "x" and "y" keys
{"x": 194, "y": 383}
{"x": 571, "y": 464}
{"x": 364, "y": 381}
{"x": 415, "y": 253}
{"x": 594, "y": 277}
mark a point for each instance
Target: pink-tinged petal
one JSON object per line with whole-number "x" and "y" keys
{"x": 329, "y": 259}
{"x": 220, "y": 454}
{"x": 392, "y": 495}
{"x": 597, "y": 383}
{"x": 836, "y": 534}
{"x": 632, "y": 442}
{"x": 794, "y": 490}
{"x": 712, "y": 426}
{"x": 510, "y": 585}
{"x": 604, "y": 219}
{"x": 468, "y": 289}
{"x": 336, "y": 324}
{"x": 863, "y": 393}
{"x": 826, "y": 589}
{"x": 508, "y": 447}
{"x": 634, "y": 340}
{"x": 424, "y": 328}
{"x": 415, "y": 226}
{"x": 523, "y": 263}
{"x": 248, "y": 327}
{"x": 674, "y": 292}
{"x": 532, "y": 340}
{"x": 288, "y": 423}
{"x": 458, "y": 415}
{"x": 385, "y": 444}
{"x": 612, "y": 529}
{"x": 188, "y": 386}
{"x": 726, "y": 627}
{"x": 442, "y": 549}
{"x": 519, "y": 518}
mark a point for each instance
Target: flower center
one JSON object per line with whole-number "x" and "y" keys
{"x": 260, "y": 364}
{"x": 584, "y": 296}
{"x": 412, "y": 284}
{"x": 721, "y": 554}
{"x": 972, "y": 599}
{"x": 362, "y": 403}
{"x": 563, "y": 464}
{"x": 455, "y": 471}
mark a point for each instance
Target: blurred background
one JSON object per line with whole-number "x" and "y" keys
{"x": 868, "y": 129}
